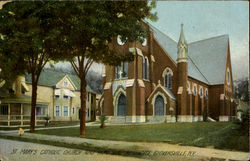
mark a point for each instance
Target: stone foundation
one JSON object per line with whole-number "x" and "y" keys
{"x": 185, "y": 118}
{"x": 223, "y": 118}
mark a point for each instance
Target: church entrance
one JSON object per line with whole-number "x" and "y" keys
{"x": 121, "y": 106}
{"x": 159, "y": 106}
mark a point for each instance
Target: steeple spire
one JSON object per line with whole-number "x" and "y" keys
{"x": 182, "y": 47}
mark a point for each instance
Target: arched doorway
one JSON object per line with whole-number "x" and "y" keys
{"x": 159, "y": 106}
{"x": 121, "y": 105}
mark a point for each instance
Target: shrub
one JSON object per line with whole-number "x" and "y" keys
{"x": 102, "y": 120}
{"x": 47, "y": 118}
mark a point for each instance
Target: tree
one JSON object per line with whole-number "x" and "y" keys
{"x": 10, "y": 67}
{"x": 28, "y": 34}
{"x": 87, "y": 30}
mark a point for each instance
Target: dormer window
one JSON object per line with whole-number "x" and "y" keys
{"x": 122, "y": 70}
{"x": 57, "y": 96}
{"x": 65, "y": 97}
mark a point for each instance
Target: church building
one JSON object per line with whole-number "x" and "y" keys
{"x": 169, "y": 81}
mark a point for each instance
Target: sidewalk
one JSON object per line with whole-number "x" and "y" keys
{"x": 143, "y": 147}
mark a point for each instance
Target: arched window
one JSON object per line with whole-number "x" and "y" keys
{"x": 121, "y": 105}
{"x": 201, "y": 91}
{"x": 121, "y": 71}
{"x": 195, "y": 89}
{"x": 188, "y": 87}
{"x": 206, "y": 93}
{"x": 145, "y": 68}
{"x": 159, "y": 106}
{"x": 168, "y": 76}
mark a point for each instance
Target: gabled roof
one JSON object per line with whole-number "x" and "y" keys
{"x": 168, "y": 44}
{"x": 210, "y": 57}
{"x": 165, "y": 90}
{"x": 51, "y": 78}
{"x": 206, "y": 58}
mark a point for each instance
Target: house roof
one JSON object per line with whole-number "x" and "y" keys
{"x": 51, "y": 78}
{"x": 22, "y": 99}
{"x": 213, "y": 50}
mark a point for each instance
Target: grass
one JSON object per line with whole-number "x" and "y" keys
{"x": 219, "y": 135}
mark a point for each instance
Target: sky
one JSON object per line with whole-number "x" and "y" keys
{"x": 207, "y": 19}
{"x": 203, "y": 20}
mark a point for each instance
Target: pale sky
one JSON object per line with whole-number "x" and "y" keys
{"x": 209, "y": 19}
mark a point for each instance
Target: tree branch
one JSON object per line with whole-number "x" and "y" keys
{"x": 76, "y": 69}
{"x": 88, "y": 65}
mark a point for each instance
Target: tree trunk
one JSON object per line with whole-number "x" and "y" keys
{"x": 33, "y": 105}
{"x": 83, "y": 106}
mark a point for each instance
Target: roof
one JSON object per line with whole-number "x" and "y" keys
{"x": 51, "y": 78}
{"x": 213, "y": 50}
{"x": 21, "y": 99}
{"x": 168, "y": 44}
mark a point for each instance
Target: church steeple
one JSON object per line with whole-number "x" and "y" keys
{"x": 182, "y": 48}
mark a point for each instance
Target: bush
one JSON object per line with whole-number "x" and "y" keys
{"x": 244, "y": 122}
{"x": 47, "y": 118}
{"x": 102, "y": 120}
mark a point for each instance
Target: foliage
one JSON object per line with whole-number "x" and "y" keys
{"x": 243, "y": 121}
{"x": 27, "y": 36}
{"x": 81, "y": 32}
{"x": 87, "y": 30}
{"x": 241, "y": 91}
{"x": 102, "y": 120}
{"x": 47, "y": 118}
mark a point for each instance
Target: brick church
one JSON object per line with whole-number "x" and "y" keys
{"x": 169, "y": 81}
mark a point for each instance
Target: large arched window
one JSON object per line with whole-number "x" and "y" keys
{"x": 168, "y": 76}
{"x": 159, "y": 106}
{"x": 145, "y": 68}
{"x": 121, "y": 105}
{"x": 121, "y": 71}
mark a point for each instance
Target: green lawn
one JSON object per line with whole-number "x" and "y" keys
{"x": 218, "y": 135}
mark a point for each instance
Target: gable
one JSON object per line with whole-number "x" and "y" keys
{"x": 51, "y": 78}
{"x": 66, "y": 83}
{"x": 165, "y": 91}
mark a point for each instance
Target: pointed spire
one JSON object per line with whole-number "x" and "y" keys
{"x": 182, "y": 47}
{"x": 182, "y": 37}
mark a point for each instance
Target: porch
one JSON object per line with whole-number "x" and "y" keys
{"x": 16, "y": 111}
